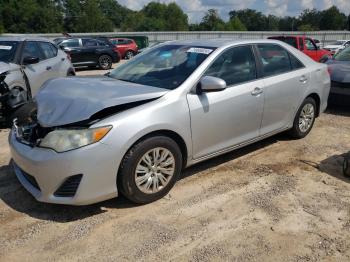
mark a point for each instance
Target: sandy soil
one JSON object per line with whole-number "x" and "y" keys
{"x": 277, "y": 200}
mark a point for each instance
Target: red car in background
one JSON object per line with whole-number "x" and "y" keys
{"x": 126, "y": 47}
{"x": 306, "y": 45}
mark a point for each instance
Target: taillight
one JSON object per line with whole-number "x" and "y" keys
{"x": 115, "y": 49}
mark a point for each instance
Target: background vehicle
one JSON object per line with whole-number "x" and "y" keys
{"x": 176, "y": 105}
{"x": 346, "y": 166}
{"x": 153, "y": 44}
{"x": 90, "y": 52}
{"x": 304, "y": 44}
{"x": 126, "y": 47}
{"x": 25, "y": 64}
{"x": 337, "y": 46}
{"x": 339, "y": 68}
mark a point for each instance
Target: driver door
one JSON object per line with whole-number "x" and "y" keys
{"x": 37, "y": 73}
{"x": 220, "y": 120}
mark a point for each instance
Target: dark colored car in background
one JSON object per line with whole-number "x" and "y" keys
{"x": 90, "y": 52}
{"x": 306, "y": 45}
{"x": 126, "y": 47}
{"x": 339, "y": 69}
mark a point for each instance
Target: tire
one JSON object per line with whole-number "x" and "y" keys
{"x": 300, "y": 130}
{"x": 346, "y": 166}
{"x": 105, "y": 62}
{"x": 145, "y": 190}
{"x": 129, "y": 54}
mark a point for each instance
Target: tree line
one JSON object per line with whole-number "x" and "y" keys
{"x": 55, "y": 16}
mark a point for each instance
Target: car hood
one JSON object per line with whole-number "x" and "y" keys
{"x": 340, "y": 70}
{"x": 64, "y": 101}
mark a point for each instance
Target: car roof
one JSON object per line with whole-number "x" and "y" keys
{"x": 23, "y": 38}
{"x": 221, "y": 42}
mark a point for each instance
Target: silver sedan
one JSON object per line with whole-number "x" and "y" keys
{"x": 177, "y": 104}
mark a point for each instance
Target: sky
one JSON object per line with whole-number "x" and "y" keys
{"x": 195, "y": 9}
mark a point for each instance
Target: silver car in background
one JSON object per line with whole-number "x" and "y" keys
{"x": 175, "y": 105}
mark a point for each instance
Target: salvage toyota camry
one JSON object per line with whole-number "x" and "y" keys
{"x": 134, "y": 130}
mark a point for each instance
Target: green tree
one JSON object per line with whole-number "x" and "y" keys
{"x": 252, "y": 19}
{"x": 306, "y": 28}
{"x": 114, "y": 11}
{"x": 176, "y": 19}
{"x": 332, "y": 19}
{"x": 31, "y": 16}
{"x": 272, "y": 23}
{"x": 311, "y": 19}
{"x": 287, "y": 23}
{"x": 212, "y": 21}
{"x": 235, "y": 24}
{"x": 92, "y": 19}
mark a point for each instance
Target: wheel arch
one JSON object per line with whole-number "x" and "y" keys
{"x": 317, "y": 99}
{"x": 167, "y": 133}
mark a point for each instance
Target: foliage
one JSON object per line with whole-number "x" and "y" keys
{"x": 48, "y": 16}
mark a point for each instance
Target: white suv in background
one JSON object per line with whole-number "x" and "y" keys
{"x": 337, "y": 46}
{"x": 25, "y": 64}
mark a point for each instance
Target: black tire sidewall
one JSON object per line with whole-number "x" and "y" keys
{"x": 346, "y": 167}
{"x": 109, "y": 65}
{"x": 295, "y": 131}
{"x": 126, "y": 176}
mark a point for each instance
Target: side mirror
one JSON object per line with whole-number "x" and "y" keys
{"x": 211, "y": 84}
{"x": 29, "y": 60}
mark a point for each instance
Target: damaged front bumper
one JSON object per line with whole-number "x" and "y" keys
{"x": 79, "y": 177}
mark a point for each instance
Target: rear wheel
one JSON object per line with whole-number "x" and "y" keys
{"x": 304, "y": 119}
{"x": 105, "y": 62}
{"x": 129, "y": 54}
{"x": 150, "y": 169}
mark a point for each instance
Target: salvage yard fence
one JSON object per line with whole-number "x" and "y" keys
{"x": 324, "y": 36}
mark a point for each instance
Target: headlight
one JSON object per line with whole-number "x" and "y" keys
{"x": 62, "y": 140}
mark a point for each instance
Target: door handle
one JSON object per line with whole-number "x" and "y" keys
{"x": 257, "y": 91}
{"x": 48, "y": 68}
{"x": 303, "y": 79}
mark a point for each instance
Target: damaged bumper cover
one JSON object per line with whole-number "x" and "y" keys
{"x": 43, "y": 172}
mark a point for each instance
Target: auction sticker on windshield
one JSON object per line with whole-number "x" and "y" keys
{"x": 5, "y": 47}
{"x": 198, "y": 50}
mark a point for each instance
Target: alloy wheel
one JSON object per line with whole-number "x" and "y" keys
{"x": 306, "y": 117}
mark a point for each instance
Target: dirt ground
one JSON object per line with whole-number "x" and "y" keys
{"x": 277, "y": 200}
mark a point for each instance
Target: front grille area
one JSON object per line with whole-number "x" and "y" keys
{"x": 340, "y": 84}
{"x": 31, "y": 134}
{"x": 69, "y": 187}
{"x": 31, "y": 180}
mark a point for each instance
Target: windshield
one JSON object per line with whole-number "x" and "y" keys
{"x": 343, "y": 55}
{"x": 8, "y": 50}
{"x": 167, "y": 66}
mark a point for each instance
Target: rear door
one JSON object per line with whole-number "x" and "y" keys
{"x": 220, "y": 120}
{"x": 89, "y": 50}
{"x": 53, "y": 63}
{"x": 37, "y": 73}
{"x": 284, "y": 77}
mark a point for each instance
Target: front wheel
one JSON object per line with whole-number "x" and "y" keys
{"x": 304, "y": 119}
{"x": 150, "y": 169}
{"x": 105, "y": 62}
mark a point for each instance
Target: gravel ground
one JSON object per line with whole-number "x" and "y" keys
{"x": 277, "y": 200}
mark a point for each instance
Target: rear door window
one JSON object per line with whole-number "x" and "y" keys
{"x": 310, "y": 45}
{"x": 48, "y": 49}
{"x": 31, "y": 49}
{"x": 89, "y": 42}
{"x": 235, "y": 66}
{"x": 274, "y": 59}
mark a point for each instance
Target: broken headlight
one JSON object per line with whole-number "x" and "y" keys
{"x": 62, "y": 140}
